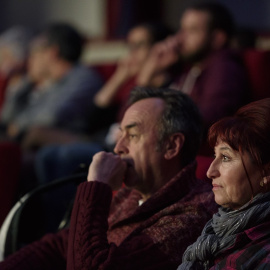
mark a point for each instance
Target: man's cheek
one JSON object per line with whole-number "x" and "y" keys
{"x": 131, "y": 178}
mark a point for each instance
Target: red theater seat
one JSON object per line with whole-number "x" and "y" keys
{"x": 257, "y": 63}
{"x": 203, "y": 163}
{"x": 10, "y": 166}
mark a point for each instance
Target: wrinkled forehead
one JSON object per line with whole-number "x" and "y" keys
{"x": 144, "y": 112}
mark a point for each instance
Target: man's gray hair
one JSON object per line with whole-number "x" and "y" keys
{"x": 180, "y": 115}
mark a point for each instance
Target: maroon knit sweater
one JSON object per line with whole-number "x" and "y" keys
{"x": 121, "y": 234}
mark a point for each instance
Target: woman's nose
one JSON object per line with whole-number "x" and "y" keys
{"x": 212, "y": 171}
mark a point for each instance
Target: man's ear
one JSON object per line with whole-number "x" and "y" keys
{"x": 174, "y": 145}
{"x": 219, "y": 39}
{"x": 53, "y": 51}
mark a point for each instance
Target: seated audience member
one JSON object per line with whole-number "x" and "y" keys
{"x": 58, "y": 160}
{"x": 150, "y": 222}
{"x": 54, "y": 160}
{"x": 238, "y": 235}
{"x": 140, "y": 40}
{"x": 61, "y": 160}
{"x": 207, "y": 69}
{"x": 66, "y": 103}
{"x": 14, "y": 44}
{"x": 35, "y": 80}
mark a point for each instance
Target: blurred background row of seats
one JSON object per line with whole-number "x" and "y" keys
{"x": 106, "y": 24}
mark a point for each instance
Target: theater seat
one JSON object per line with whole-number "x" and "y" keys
{"x": 257, "y": 63}
{"x": 17, "y": 232}
{"x": 10, "y": 166}
{"x": 105, "y": 70}
{"x": 3, "y": 85}
{"x": 203, "y": 163}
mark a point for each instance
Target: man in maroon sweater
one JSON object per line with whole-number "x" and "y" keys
{"x": 151, "y": 221}
{"x": 203, "y": 64}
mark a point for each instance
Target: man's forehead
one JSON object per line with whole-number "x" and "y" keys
{"x": 145, "y": 110}
{"x": 132, "y": 118}
{"x": 130, "y": 126}
{"x": 147, "y": 104}
{"x": 201, "y": 15}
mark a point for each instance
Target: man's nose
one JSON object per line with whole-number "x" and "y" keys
{"x": 121, "y": 146}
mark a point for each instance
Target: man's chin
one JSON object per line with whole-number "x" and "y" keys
{"x": 131, "y": 179}
{"x": 191, "y": 58}
{"x": 129, "y": 184}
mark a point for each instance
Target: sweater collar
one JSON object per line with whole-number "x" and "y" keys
{"x": 170, "y": 193}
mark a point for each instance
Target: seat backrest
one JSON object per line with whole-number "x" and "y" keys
{"x": 257, "y": 64}
{"x": 3, "y": 86}
{"x": 19, "y": 230}
{"x": 105, "y": 70}
{"x": 203, "y": 163}
{"x": 10, "y": 166}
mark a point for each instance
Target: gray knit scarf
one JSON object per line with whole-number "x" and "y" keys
{"x": 220, "y": 232}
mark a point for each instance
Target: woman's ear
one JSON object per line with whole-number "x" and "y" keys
{"x": 266, "y": 169}
{"x": 174, "y": 145}
{"x": 265, "y": 182}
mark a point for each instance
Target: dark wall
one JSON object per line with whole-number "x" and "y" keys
{"x": 250, "y": 13}
{"x": 121, "y": 14}
{"x": 29, "y": 13}
{"x": 253, "y": 14}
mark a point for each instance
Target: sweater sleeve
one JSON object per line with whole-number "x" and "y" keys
{"x": 47, "y": 253}
{"x": 88, "y": 244}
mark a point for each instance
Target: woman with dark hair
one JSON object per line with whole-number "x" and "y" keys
{"x": 238, "y": 236}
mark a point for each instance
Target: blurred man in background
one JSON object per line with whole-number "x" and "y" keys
{"x": 202, "y": 62}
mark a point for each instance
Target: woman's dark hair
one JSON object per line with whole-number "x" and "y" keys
{"x": 248, "y": 130}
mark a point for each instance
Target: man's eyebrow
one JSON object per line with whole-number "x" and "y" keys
{"x": 129, "y": 126}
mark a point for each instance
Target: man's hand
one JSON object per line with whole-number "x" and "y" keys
{"x": 163, "y": 55}
{"x": 126, "y": 68}
{"x": 107, "y": 168}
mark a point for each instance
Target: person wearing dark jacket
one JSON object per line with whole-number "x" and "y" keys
{"x": 160, "y": 210}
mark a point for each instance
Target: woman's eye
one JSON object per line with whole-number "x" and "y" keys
{"x": 225, "y": 158}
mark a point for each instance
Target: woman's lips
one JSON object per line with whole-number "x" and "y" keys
{"x": 216, "y": 187}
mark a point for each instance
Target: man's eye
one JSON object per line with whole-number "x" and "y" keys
{"x": 131, "y": 136}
